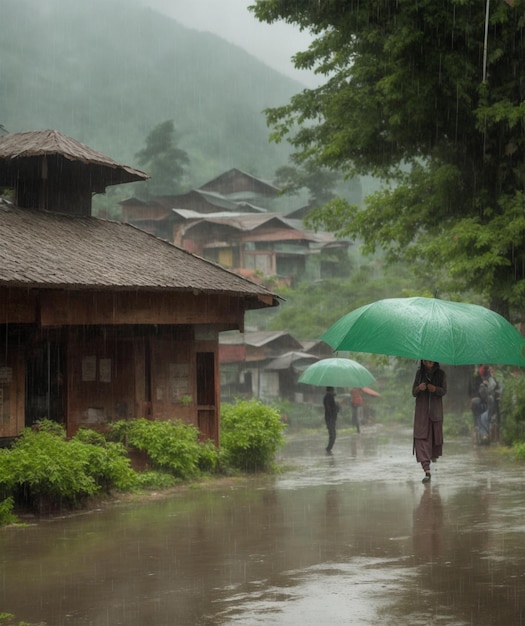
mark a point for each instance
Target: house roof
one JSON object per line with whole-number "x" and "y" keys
{"x": 207, "y": 197}
{"x": 50, "y": 250}
{"x": 282, "y": 227}
{"x": 235, "y": 181}
{"x": 259, "y": 338}
{"x": 19, "y": 150}
{"x": 298, "y": 360}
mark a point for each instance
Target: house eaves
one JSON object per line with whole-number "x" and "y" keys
{"x": 18, "y": 152}
{"x": 46, "y": 250}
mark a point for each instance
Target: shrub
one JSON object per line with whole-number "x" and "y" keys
{"x": 512, "y": 411}
{"x": 46, "y": 472}
{"x": 107, "y": 461}
{"x": 155, "y": 480}
{"x": 171, "y": 445}
{"x": 209, "y": 457}
{"x": 251, "y": 434}
{"x": 6, "y": 512}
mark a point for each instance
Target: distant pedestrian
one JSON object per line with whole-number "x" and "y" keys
{"x": 356, "y": 400}
{"x": 331, "y": 409}
{"x": 430, "y": 385}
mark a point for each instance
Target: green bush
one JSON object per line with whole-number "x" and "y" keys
{"x": 46, "y": 472}
{"x": 6, "y": 512}
{"x": 512, "y": 411}
{"x": 251, "y": 434}
{"x": 171, "y": 445}
{"x": 108, "y": 462}
{"x": 209, "y": 457}
{"x": 518, "y": 451}
{"x": 155, "y": 480}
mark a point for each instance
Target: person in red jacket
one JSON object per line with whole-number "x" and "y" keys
{"x": 430, "y": 385}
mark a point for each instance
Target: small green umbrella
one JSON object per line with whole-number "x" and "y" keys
{"x": 428, "y": 328}
{"x": 337, "y": 372}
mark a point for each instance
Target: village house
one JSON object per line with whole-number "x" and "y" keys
{"x": 227, "y": 221}
{"x": 264, "y": 364}
{"x": 100, "y": 320}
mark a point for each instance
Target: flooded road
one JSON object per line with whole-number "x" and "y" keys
{"x": 353, "y": 538}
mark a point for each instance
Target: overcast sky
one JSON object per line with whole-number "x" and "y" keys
{"x": 230, "y": 19}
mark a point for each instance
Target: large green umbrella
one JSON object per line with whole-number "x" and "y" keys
{"x": 428, "y": 328}
{"x": 337, "y": 372}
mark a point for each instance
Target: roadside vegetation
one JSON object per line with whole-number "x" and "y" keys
{"x": 44, "y": 472}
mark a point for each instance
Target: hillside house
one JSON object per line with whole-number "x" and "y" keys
{"x": 227, "y": 221}
{"x": 261, "y": 364}
{"x": 99, "y": 320}
{"x": 267, "y": 244}
{"x": 243, "y": 188}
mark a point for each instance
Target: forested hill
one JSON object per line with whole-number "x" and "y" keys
{"x": 108, "y": 71}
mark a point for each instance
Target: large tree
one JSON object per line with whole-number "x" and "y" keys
{"x": 429, "y": 95}
{"x": 165, "y": 162}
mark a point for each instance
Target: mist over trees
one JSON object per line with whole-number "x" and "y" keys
{"x": 431, "y": 97}
{"x": 166, "y": 163}
{"x": 107, "y": 72}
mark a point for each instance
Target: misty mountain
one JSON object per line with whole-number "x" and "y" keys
{"x": 106, "y": 72}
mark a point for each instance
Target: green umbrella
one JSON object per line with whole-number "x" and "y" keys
{"x": 337, "y": 372}
{"x": 427, "y": 328}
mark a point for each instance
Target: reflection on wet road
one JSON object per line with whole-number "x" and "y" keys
{"x": 353, "y": 538}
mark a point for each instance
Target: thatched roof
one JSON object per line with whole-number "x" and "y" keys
{"x": 40, "y": 249}
{"x": 20, "y": 151}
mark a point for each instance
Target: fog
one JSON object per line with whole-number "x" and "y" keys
{"x": 274, "y": 44}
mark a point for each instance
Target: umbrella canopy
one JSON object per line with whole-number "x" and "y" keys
{"x": 429, "y": 328}
{"x": 337, "y": 372}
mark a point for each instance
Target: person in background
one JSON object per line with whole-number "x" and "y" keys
{"x": 356, "y": 400}
{"x": 484, "y": 399}
{"x": 331, "y": 409}
{"x": 495, "y": 391}
{"x": 430, "y": 385}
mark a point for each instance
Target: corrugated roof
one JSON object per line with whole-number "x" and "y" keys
{"x": 20, "y": 146}
{"x": 208, "y": 197}
{"x": 51, "y": 250}
{"x": 232, "y": 173}
{"x": 258, "y": 338}
{"x": 284, "y": 229}
{"x": 289, "y": 359}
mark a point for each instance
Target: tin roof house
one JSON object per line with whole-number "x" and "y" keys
{"x": 232, "y": 220}
{"x": 99, "y": 320}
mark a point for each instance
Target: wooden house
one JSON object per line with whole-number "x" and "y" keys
{"x": 267, "y": 244}
{"x": 240, "y": 186}
{"x": 156, "y": 215}
{"x": 99, "y": 320}
{"x": 257, "y": 364}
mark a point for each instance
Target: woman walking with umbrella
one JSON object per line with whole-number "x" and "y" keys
{"x": 430, "y": 385}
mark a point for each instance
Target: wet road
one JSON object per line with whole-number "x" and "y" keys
{"x": 354, "y": 538}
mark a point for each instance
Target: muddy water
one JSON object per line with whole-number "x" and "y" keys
{"x": 353, "y": 538}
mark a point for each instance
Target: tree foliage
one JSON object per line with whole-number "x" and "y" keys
{"x": 413, "y": 95}
{"x": 311, "y": 308}
{"x": 166, "y": 163}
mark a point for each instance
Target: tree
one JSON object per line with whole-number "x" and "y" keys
{"x": 419, "y": 94}
{"x": 320, "y": 182}
{"x": 164, "y": 162}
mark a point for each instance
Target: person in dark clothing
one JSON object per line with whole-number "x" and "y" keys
{"x": 331, "y": 408}
{"x": 430, "y": 385}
